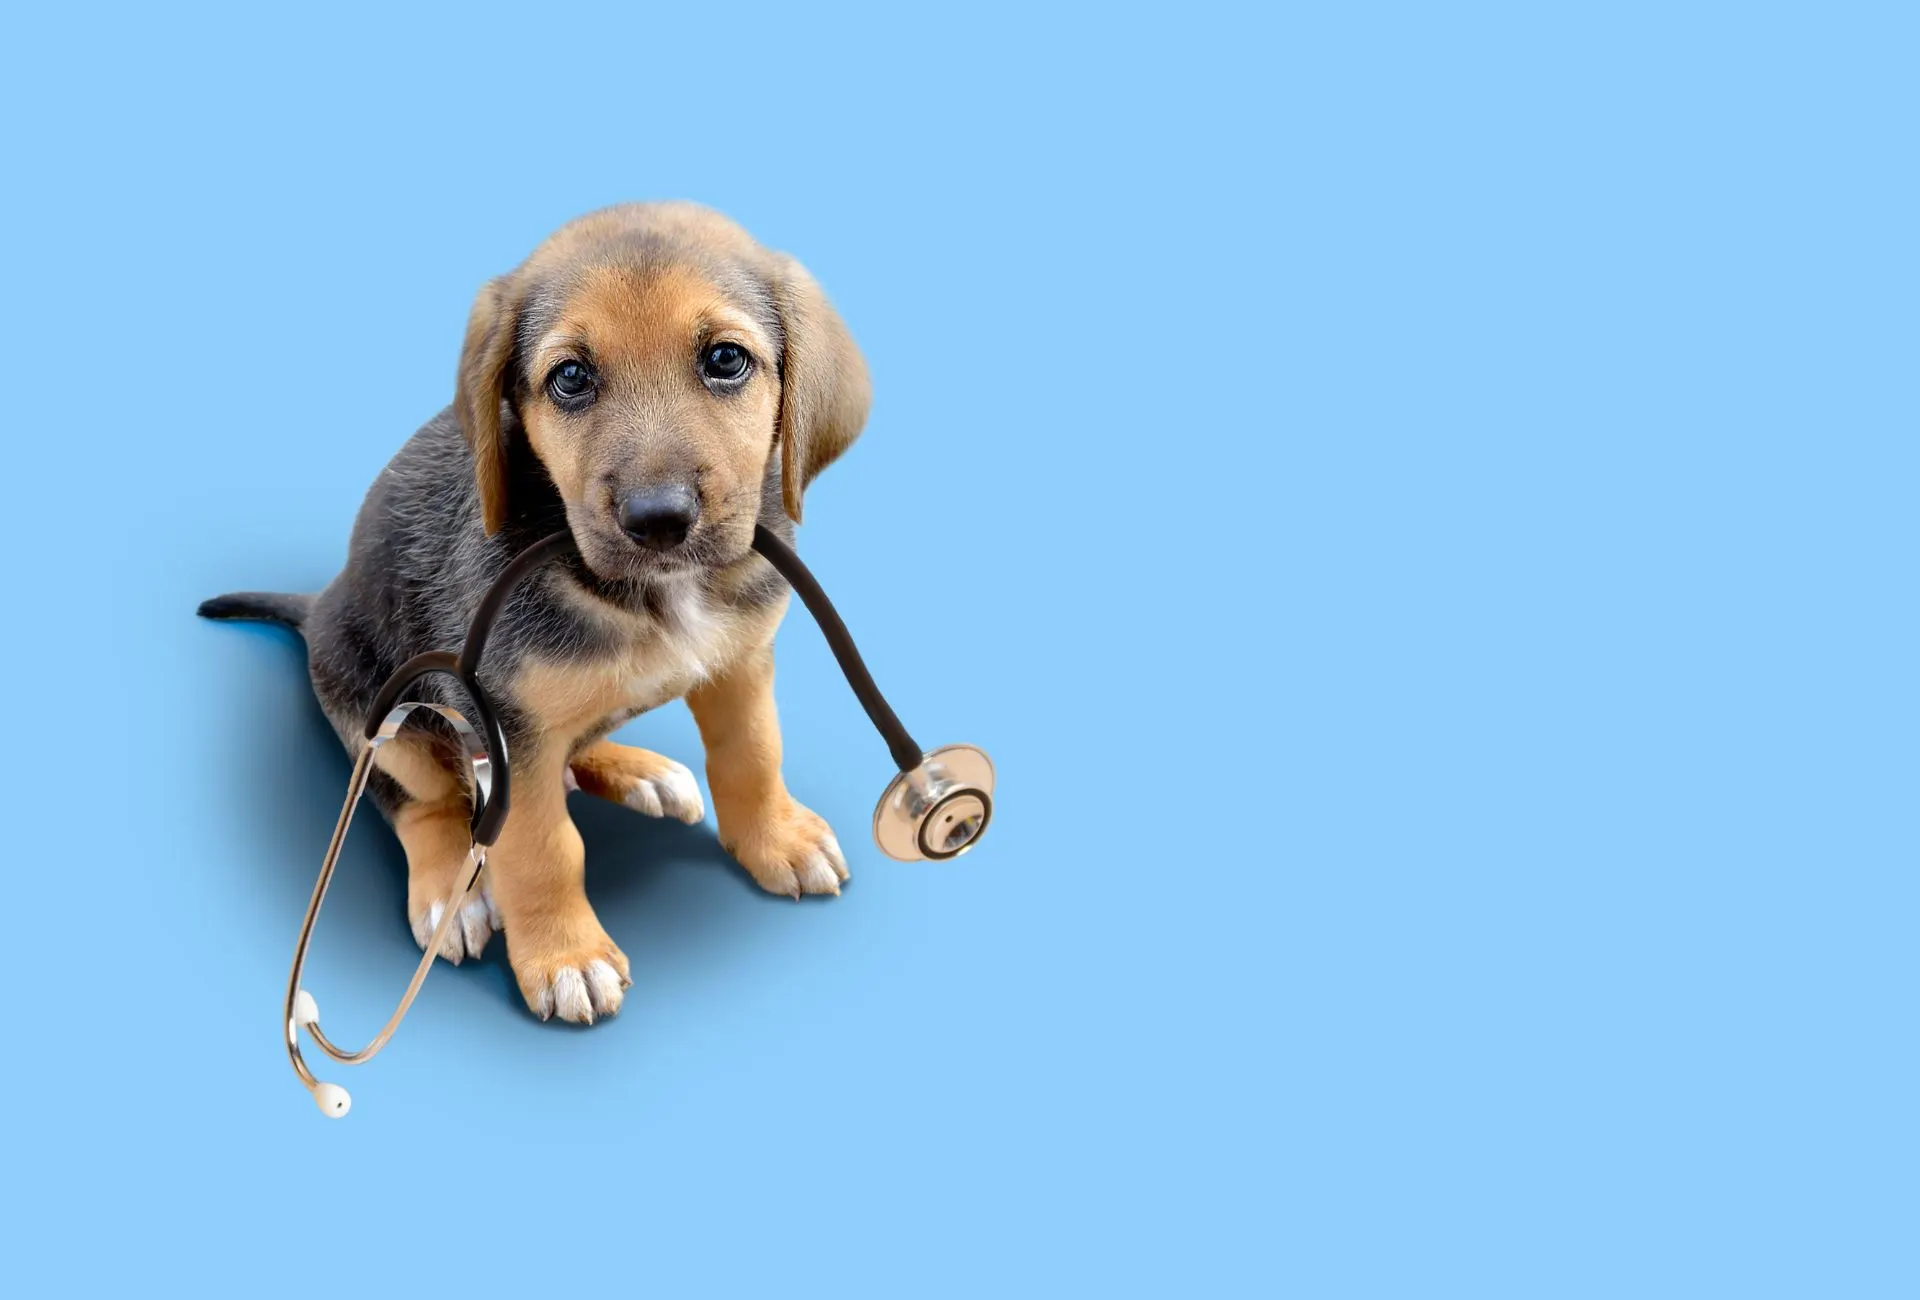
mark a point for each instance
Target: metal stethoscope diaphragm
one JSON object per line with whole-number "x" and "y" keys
{"x": 938, "y": 809}
{"x": 935, "y": 808}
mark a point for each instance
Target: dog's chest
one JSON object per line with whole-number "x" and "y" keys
{"x": 671, "y": 654}
{"x": 650, "y": 659}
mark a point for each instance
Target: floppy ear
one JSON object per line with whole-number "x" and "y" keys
{"x": 824, "y": 390}
{"x": 479, "y": 391}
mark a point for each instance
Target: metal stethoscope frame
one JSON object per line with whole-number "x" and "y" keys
{"x": 936, "y": 807}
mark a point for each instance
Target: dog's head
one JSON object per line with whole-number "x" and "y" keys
{"x": 654, "y": 358}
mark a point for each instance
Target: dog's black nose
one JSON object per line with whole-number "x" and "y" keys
{"x": 659, "y": 518}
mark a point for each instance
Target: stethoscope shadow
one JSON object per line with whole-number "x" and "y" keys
{"x": 294, "y": 770}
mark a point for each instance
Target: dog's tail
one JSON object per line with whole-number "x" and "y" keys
{"x": 260, "y": 606}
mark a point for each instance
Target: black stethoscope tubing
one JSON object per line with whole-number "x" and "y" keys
{"x": 490, "y": 810}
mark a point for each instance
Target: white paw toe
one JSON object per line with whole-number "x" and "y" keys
{"x": 468, "y": 934}
{"x": 835, "y": 858}
{"x": 605, "y": 987}
{"x": 476, "y": 925}
{"x": 813, "y": 865}
{"x": 582, "y": 995}
{"x": 817, "y": 876}
{"x": 672, "y": 793}
{"x": 569, "y": 993}
{"x": 643, "y": 797}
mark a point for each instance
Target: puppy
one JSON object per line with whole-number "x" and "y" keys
{"x": 655, "y": 381}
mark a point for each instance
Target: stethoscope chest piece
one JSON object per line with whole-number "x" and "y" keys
{"x": 938, "y": 810}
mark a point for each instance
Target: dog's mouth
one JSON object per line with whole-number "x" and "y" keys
{"x": 617, "y": 559}
{"x": 614, "y": 556}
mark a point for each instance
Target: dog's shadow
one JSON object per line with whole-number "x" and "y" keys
{"x": 661, "y": 888}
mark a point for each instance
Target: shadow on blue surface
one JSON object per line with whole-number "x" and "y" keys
{"x": 293, "y": 770}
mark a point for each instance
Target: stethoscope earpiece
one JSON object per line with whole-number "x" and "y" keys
{"x": 333, "y": 1100}
{"x": 937, "y": 810}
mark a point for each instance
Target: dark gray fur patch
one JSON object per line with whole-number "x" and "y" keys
{"x": 418, "y": 563}
{"x": 418, "y": 560}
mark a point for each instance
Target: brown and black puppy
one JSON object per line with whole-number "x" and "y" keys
{"x": 655, "y": 381}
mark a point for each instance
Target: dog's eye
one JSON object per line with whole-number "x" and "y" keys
{"x": 725, "y": 362}
{"x": 570, "y": 382}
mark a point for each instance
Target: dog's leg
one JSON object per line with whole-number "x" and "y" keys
{"x": 786, "y": 847}
{"x": 639, "y": 779}
{"x": 564, "y": 961}
{"x": 433, "y": 826}
{"x": 437, "y": 838}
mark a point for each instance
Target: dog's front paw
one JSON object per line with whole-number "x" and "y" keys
{"x": 792, "y": 853}
{"x": 669, "y": 792}
{"x": 579, "y": 976}
{"x": 640, "y": 779}
{"x": 467, "y": 936}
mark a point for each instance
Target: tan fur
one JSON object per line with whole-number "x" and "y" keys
{"x": 537, "y": 872}
{"x": 609, "y": 771}
{"x": 654, "y": 414}
{"x": 437, "y": 837}
{"x": 572, "y": 700}
{"x": 824, "y": 400}
{"x": 643, "y": 327}
{"x": 768, "y": 832}
{"x": 813, "y": 412}
{"x": 477, "y": 395}
{"x": 412, "y": 761}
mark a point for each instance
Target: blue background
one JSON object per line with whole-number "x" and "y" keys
{"x": 1436, "y": 489}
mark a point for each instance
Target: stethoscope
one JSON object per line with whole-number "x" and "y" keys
{"x": 936, "y": 807}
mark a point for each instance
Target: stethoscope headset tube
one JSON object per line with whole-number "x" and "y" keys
{"x": 936, "y": 807}
{"x": 301, "y": 1011}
